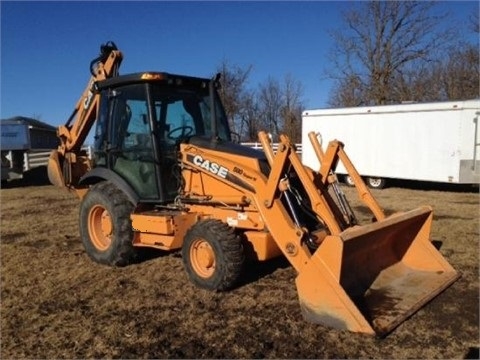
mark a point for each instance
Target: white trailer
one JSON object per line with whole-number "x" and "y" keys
{"x": 436, "y": 142}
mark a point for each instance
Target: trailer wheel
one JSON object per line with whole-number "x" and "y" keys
{"x": 348, "y": 180}
{"x": 376, "y": 183}
{"x": 213, "y": 255}
{"x": 105, "y": 225}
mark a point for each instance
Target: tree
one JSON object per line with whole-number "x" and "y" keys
{"x": 270, "y": 103}
{"x": 377, "y": 46}
{"x": 460, "y": 75}
{"x": 474, "y": 23}
{"x": 292, "y": 108}
{"x": 348, "y": 92}
{"x": 233, "y": 82}
{"x": 250, "y": 115}
{"x": 460, "y": 72}
{"x": 280, "y": 107}
{"x": 455, "y": 76}
{"x": 274, "y": 107}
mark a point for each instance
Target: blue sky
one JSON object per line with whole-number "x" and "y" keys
{"x": 46, "y": 47}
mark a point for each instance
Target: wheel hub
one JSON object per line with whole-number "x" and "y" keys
{"x": 203, "y": 258}
{"x": 100, "y": 227}
{"x": 106, "y": 223}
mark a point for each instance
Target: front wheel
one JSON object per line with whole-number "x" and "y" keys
{"x": 213, "y": 255}
{"x": 376, "y": 183}
{"x": 105, "y": 225}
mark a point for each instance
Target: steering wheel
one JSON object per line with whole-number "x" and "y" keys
{"x": 185, "y": 131}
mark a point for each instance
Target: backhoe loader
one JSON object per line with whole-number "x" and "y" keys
{"x": 166, "y": 174}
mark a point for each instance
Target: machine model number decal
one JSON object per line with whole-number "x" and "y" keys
{"x": 211, "y": 166}
{"x": 243, "y": 173}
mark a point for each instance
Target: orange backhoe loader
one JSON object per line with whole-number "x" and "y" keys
{"x": 166, "y": 174}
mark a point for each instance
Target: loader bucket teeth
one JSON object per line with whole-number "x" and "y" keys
{"x": 371, "y": 278}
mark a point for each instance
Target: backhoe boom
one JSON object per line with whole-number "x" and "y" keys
{"x": 67, "y": 163}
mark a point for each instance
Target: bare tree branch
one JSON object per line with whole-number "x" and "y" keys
{"x": 379, "y": 41}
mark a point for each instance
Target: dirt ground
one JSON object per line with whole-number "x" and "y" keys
{"x": 57, "y": 303}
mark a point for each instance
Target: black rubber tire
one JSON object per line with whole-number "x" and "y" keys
{"x": 376, "y": 183}
{"x": 119, "y": 250}
{"x": 226, "y": 248}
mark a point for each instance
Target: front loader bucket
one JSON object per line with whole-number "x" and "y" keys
{"x": 371, "y": 278}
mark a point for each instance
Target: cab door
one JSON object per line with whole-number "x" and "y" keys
{"x": 132, "y": 154}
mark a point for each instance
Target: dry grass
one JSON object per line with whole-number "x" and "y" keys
{"x": 57, "y": 303}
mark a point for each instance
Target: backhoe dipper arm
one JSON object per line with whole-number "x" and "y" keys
{"x": 73, "y": 134}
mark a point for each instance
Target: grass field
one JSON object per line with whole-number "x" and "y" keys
{"x": 57, "y": 303}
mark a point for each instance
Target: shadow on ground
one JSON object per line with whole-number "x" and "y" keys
{"x": 34, "y": 177}
{"x": 427, "y": 185}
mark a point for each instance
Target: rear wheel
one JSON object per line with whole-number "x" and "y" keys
{"x": 213, "y": 255}
{"x": 376, "y": 183}
{"x": 105, "y": 225}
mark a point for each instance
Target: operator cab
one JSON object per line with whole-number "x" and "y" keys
{"x": 142, "y": 119}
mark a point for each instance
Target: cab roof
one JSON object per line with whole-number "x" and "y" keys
{"x": 153, "y": 76}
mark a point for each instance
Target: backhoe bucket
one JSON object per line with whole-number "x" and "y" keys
{"x": 54, "y": 170}
{"x": 371, "y": 278}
